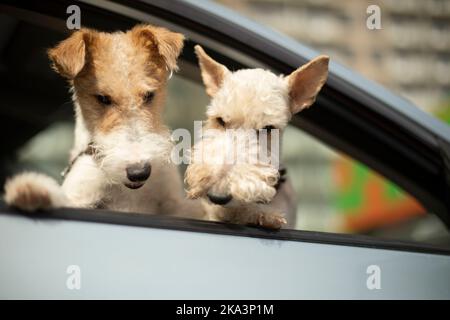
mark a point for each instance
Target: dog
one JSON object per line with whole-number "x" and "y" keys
{"x": 120, "y": 158}
{"x": 256, "y": 193}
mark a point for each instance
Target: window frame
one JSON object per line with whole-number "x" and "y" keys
{"x": 212, "y": 227}
{"x": 343, "y": 105}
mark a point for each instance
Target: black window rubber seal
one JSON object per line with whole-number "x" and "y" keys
{"x": 202, "y": 226}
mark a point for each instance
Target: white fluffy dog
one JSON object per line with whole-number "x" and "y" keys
{"x": 244, "y": 191}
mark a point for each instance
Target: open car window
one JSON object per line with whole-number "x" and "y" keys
{"x": 336, "y": 193}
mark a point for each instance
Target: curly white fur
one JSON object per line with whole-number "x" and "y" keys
{"x": 33, "y": 191}
{"x": 125, "y": 146}
{"x": 248, "y": 99}
{"x": 231, "y": 160}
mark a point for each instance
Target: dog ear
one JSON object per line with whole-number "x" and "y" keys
{"x": 168, "y": 44}
{"x": 68, "y": 57}
{"x": 305, "y": 83}
{"x": 213, "y": 72}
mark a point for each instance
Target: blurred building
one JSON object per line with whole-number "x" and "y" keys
{"x": 409, "y": 55}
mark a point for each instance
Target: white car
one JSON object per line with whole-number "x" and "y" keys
{"x": 75, "y": 253}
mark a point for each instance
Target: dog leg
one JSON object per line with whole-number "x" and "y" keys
{"x": 284, "y": 202}
{"x": 86, "y": 184}
{"x": 31, "y": 191}
{"x": 260, "y": 215}
{"x": 85, "y": 187}
{"x": 272, "y": 220}
{"x": 265, "y": 216}
{"x": 280, "y": 212}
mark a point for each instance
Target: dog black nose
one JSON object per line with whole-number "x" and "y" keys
{"x": 221, "y": 200}
{"x": 139, "y": 172}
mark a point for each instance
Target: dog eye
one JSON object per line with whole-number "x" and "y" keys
{"x": 105, "y": 100}
{"x": 148, "y": 97}
{"x": 220, "y": 121}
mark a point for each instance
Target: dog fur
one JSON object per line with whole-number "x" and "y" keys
{"x": 250, "y": 99}
{"x": 118, "y": 81}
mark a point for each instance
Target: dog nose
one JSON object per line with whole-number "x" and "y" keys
{"x": 139, "y": 172}
{"x": 221, "y": 200}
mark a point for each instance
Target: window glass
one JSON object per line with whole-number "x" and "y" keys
{"x": 335, "y": 193}
{"x": 410, "y": 55}
{"x": 338, "y": 194}
{"x": 404, "y": 45}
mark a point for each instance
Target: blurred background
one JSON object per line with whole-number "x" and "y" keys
{"x": 410, "y": 55}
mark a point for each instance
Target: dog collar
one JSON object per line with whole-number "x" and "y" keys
{"x": 88, "y": 151}
{"x": 282, "y": 179}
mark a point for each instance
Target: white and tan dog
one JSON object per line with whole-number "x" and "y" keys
{"x": 120, "y": 158}
{"x": 252, "y": 99}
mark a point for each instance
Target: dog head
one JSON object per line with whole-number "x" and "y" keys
{"x": 119, "y": 86}
{"x": 250, "y": 99}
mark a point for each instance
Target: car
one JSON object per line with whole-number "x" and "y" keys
{"x": 79, "y": 253}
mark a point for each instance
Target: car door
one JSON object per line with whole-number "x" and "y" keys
{"x": 75, "y": 253}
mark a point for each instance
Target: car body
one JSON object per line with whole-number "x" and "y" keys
{"x": 134, "y": 256}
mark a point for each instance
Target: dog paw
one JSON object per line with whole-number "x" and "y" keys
{"x": 272, "y": 221}
{"x": 32, "y": 192}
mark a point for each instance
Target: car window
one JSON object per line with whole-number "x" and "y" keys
{"x": 335, "y": 193}
{"x": 339, "y": 194}
{"x": 408, "y": 51}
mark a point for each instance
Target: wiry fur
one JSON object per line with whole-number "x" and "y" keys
{"x": 218, "y": 161}
{"x": 249, "y": 99}
{"x": 34, "y": 191}
{"x": 124, "y": 66}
